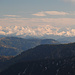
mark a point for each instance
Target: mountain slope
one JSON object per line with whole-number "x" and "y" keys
{"x": 67, "y": 40}
{"x": 19, "y": 44}
{"x": 4, "y": 58}
{"x": 25, "y": 44}
{"x": 44, "y": 52}
{"x": 8, "y": 51}
{"x": 64, "y": 66}
{"x": 47, "y": 51}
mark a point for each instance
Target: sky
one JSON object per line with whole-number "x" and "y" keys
{"x": 37, "y": 17}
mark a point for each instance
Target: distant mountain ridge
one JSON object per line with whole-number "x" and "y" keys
{"x": 67, "y": 39}
{"x": 17, "y": 45}
{"x": 8, "y": 51}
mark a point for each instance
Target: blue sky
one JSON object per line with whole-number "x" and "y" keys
{"x": 36, "y": 13}
{"x": 27, "y": 7}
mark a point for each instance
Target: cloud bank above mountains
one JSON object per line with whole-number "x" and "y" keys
{"x": 42, "y": 24}
{"x": 40, "y": 31}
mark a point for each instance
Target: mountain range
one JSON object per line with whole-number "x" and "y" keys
{"x": 11, "y": 46}
{"x": 46, "y": 51}
{"x": 64, "y": 66}
{"x": 36, "y": 57}
{"x": 43, "y": 60}
{"x": 66, "y": 39}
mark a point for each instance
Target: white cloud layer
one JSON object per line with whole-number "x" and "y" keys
{"x": 40, "y": 31}
{"x": 59, "y": 22}
{"x": 44, "y": 13}
{"x": 61, "y": 13}
{"x": 56, "y": 13}
{"x": 37, "y": 26}
{"x": 11, "y": 15}
{"x": 39, "y": 14}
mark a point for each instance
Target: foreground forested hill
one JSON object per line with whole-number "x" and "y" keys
{"x": 64, "y": 66}
{"x": 47, "y": 51}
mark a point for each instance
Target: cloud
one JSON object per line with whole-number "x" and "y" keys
{"x": 56, "y": 13}
{"x": 53, "y": 13}
{"x": 45, "y": 13}
{"x": 33, "y": 22}
{"x": 39, "y": 14}
{"x": 2, "y": 33}
{"x": 38, "y": 26}
{"x": 40, "y": 31}
{"x": 9, "y": 33}
{"x": 11, "y": 15}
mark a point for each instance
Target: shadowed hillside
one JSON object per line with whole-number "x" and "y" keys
{"x": 47, "y": 51}
{"x": 43, "y": 67}
{"x": 40, "y": 52}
